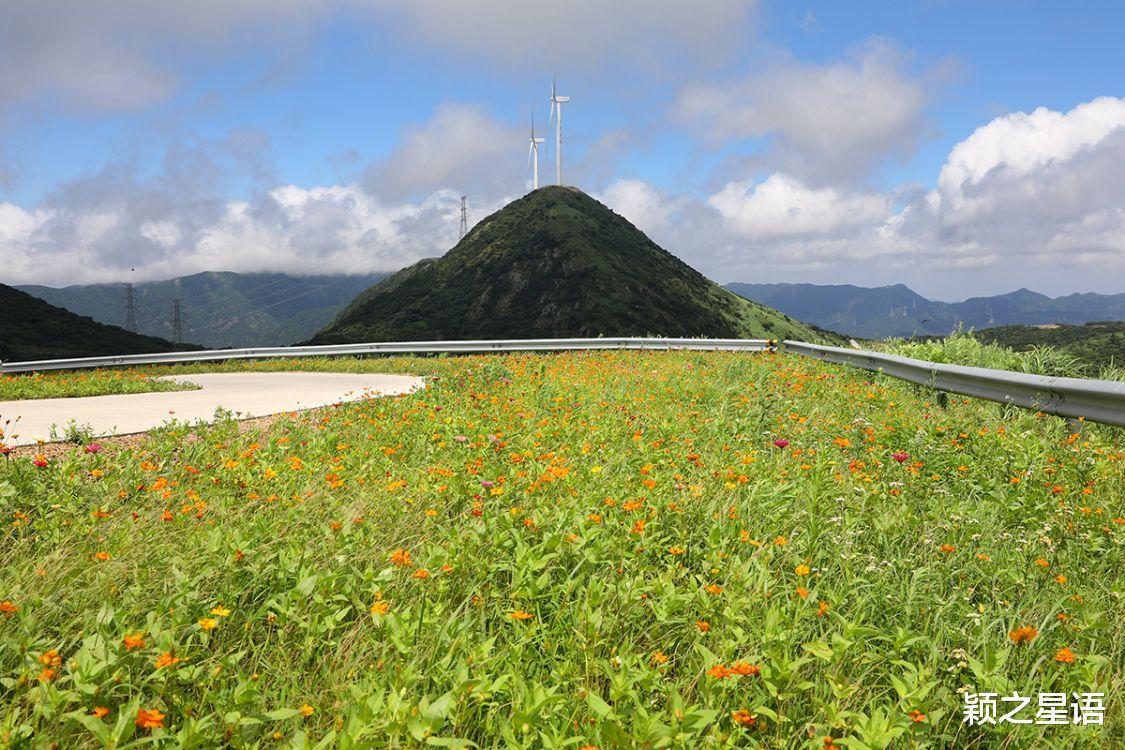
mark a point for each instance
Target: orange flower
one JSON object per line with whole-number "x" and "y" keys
{"x": 743, "y": 717}
{"x": 421, "y": 573}
{"x": 801, "y": 570}
{"x": 46, "y": 675}
{"x": 703, "y": 625}
{"x": 167, "y": 660}
{"x": 101, "y": 556}
{"x": 917, "y": 716}
{"x": 746, "y": 670}
{"x": 821, "y": 609}
{"x": 1023, "y": 634}
{"x": 802, "y": 592}
{"x": 714, "y": 588}
{"x": 780, "y": 541}
{"x": 1065, "y": 656}
{"x": 658, "y": 657}
{"x": 149, "y": 718}
{"x": 1042, "y": 563}
{"x": 7, "y": 608}
{"x": 50, "y": 658}
{"x": 380, "y": 608}
{"x": 519, "y": 614}
{"x": 947, "y": 549}
{"x": 675, "y": 550}
{"x": 400, "y": 558}
{"x": 134, "y": 640}
{"x": 100, "y": 712}
{"x": 1060, "y": 578}
{"x": 719, "y": 672}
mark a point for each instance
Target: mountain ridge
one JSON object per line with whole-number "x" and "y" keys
{"x": 221, "y": 309}
{"x": 896, "y": 310}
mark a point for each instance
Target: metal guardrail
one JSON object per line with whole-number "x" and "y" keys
{"x": 1095, "y": 400}
{"x": 394, "y": 347}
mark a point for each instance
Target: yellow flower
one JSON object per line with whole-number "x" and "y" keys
{"x": 208, "y": 623}
{"x": 306, "y": 710}
{"x": 220, "y": 611}
{"x": 801, "y": 570}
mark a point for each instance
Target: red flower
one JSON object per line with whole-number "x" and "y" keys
{"x": 782, "y": 443}
{"x": 92, "y": 448}
{"x": 900, "y": 457}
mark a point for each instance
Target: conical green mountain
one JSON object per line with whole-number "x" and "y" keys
{"x": 554, "y": 264}
{"x": 33, "y": 329}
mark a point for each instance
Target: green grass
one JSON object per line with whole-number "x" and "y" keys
{"x": 969, "y": 348}
{"x": 72, "y": 383}
{"x": 599, "y": 532}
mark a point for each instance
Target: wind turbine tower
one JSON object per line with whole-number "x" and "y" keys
{"x": 556, "y": 113}
{"x": 533, "y": 155}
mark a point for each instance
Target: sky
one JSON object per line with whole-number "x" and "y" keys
{"x": 961, "y": 148}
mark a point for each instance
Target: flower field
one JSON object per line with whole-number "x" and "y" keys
{"x": 609, "y": 550}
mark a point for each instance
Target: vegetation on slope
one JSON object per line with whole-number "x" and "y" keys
{"x": 616, "y": 549}
{"x": 33, "y": 329}
{"x": 555, "y": 263}
{"x": 1098, "y": 345}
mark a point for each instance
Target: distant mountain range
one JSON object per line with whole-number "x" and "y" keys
{"x": 32, "y": 329}
{"x": 219, "y": 309}
{"x": 555, "y": 263}
{"x": 889, "y": 311}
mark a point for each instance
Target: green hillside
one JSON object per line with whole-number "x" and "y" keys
{"x": 33, "y": 329}
{"x": 220, "y": 309}
{"x": 555, "y": 263}
{"x": 1096, "y": 344}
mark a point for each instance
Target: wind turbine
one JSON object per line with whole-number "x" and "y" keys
{"x": 556, "y": 114}
{"x": 533, "y": 155}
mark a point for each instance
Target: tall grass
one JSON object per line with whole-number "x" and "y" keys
{"x": 962, "y": 348}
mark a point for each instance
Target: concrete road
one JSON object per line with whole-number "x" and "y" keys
{"x": 248, "y": 394}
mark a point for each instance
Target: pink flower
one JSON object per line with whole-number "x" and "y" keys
{"x": 782, "y": 443}
{"x": 460, "y": 438}
{"x": 486, "y": 483}
{"x": 92, "y": 448}
{"x": 900, "y": 457}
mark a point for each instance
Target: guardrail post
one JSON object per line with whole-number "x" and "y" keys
{"x": 943, "y": 399}
{"x": 1074, "y": 426}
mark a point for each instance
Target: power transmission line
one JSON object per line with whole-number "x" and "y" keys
{"x": 130, "y": 309}
{"x": 177, "y": 322}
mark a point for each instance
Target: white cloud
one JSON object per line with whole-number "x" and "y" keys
{"x": 782, "y": 206}
{"x": 460, "y": 148}
{"x": 828, "y": 122}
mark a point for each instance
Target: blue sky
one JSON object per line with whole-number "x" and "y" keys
{"x": 758, "y": 141}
